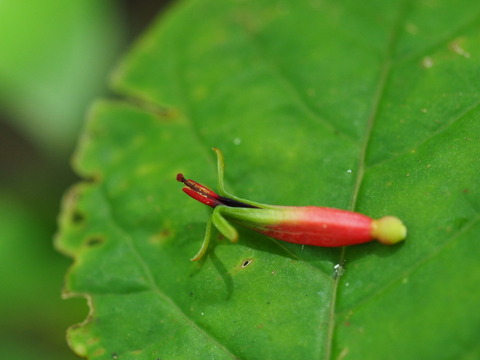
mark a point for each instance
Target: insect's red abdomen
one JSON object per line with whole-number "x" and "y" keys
{"x": 321, "y": 226}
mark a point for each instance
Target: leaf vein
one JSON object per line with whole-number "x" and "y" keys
{"x": 290, "y": 86}
{"x": 427, "y": 258}
{"x": 153, "y": 283}
{"x": 442, "y": 129}
{"x": 448, "y": 37}
{"x": 385, "y": 72}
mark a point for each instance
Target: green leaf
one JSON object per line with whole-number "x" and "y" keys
{"x": 54, "y": 56}
{"x": 369, "y": 106}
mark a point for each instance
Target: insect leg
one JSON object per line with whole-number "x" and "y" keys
{"x": 220, "y": 172}
{"x": 221, "y": 185}
{"x": 205, "y": 243}
{"x": 223, "y": 225}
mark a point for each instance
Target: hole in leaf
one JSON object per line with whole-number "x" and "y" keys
{"x": 246, "y": 263}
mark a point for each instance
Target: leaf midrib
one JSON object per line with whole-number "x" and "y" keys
{"x": 385, "y": 72}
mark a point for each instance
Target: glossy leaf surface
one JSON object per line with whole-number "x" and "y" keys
{"x": 370, "y": 107}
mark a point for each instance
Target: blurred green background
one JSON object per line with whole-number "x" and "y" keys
{"x": 55, "y": 59}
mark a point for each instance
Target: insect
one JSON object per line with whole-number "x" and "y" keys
{"x": 309, "y": 225}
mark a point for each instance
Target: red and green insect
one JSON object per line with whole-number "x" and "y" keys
{"x": 309, "y": 225}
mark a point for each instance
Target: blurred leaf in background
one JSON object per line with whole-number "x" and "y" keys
{"x": 33, "y": 317}
{"x": 368, "y": 106}
{"x": 55, "y": 58}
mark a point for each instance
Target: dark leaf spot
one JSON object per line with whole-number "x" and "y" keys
{"x": 94, "y": 241}
{"x": 77, "y": 217}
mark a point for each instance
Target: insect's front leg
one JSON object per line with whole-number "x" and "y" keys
{"x": 222, "y": 225}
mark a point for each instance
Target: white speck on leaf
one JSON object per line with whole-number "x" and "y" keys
{"x": 427, "y": 62}
{"x": 237, "y": 141}
{"x": 455, "y": 46}
{"x": 338, "y": 271}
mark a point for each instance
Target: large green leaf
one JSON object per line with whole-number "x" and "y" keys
{"x": 368, "y": 106}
